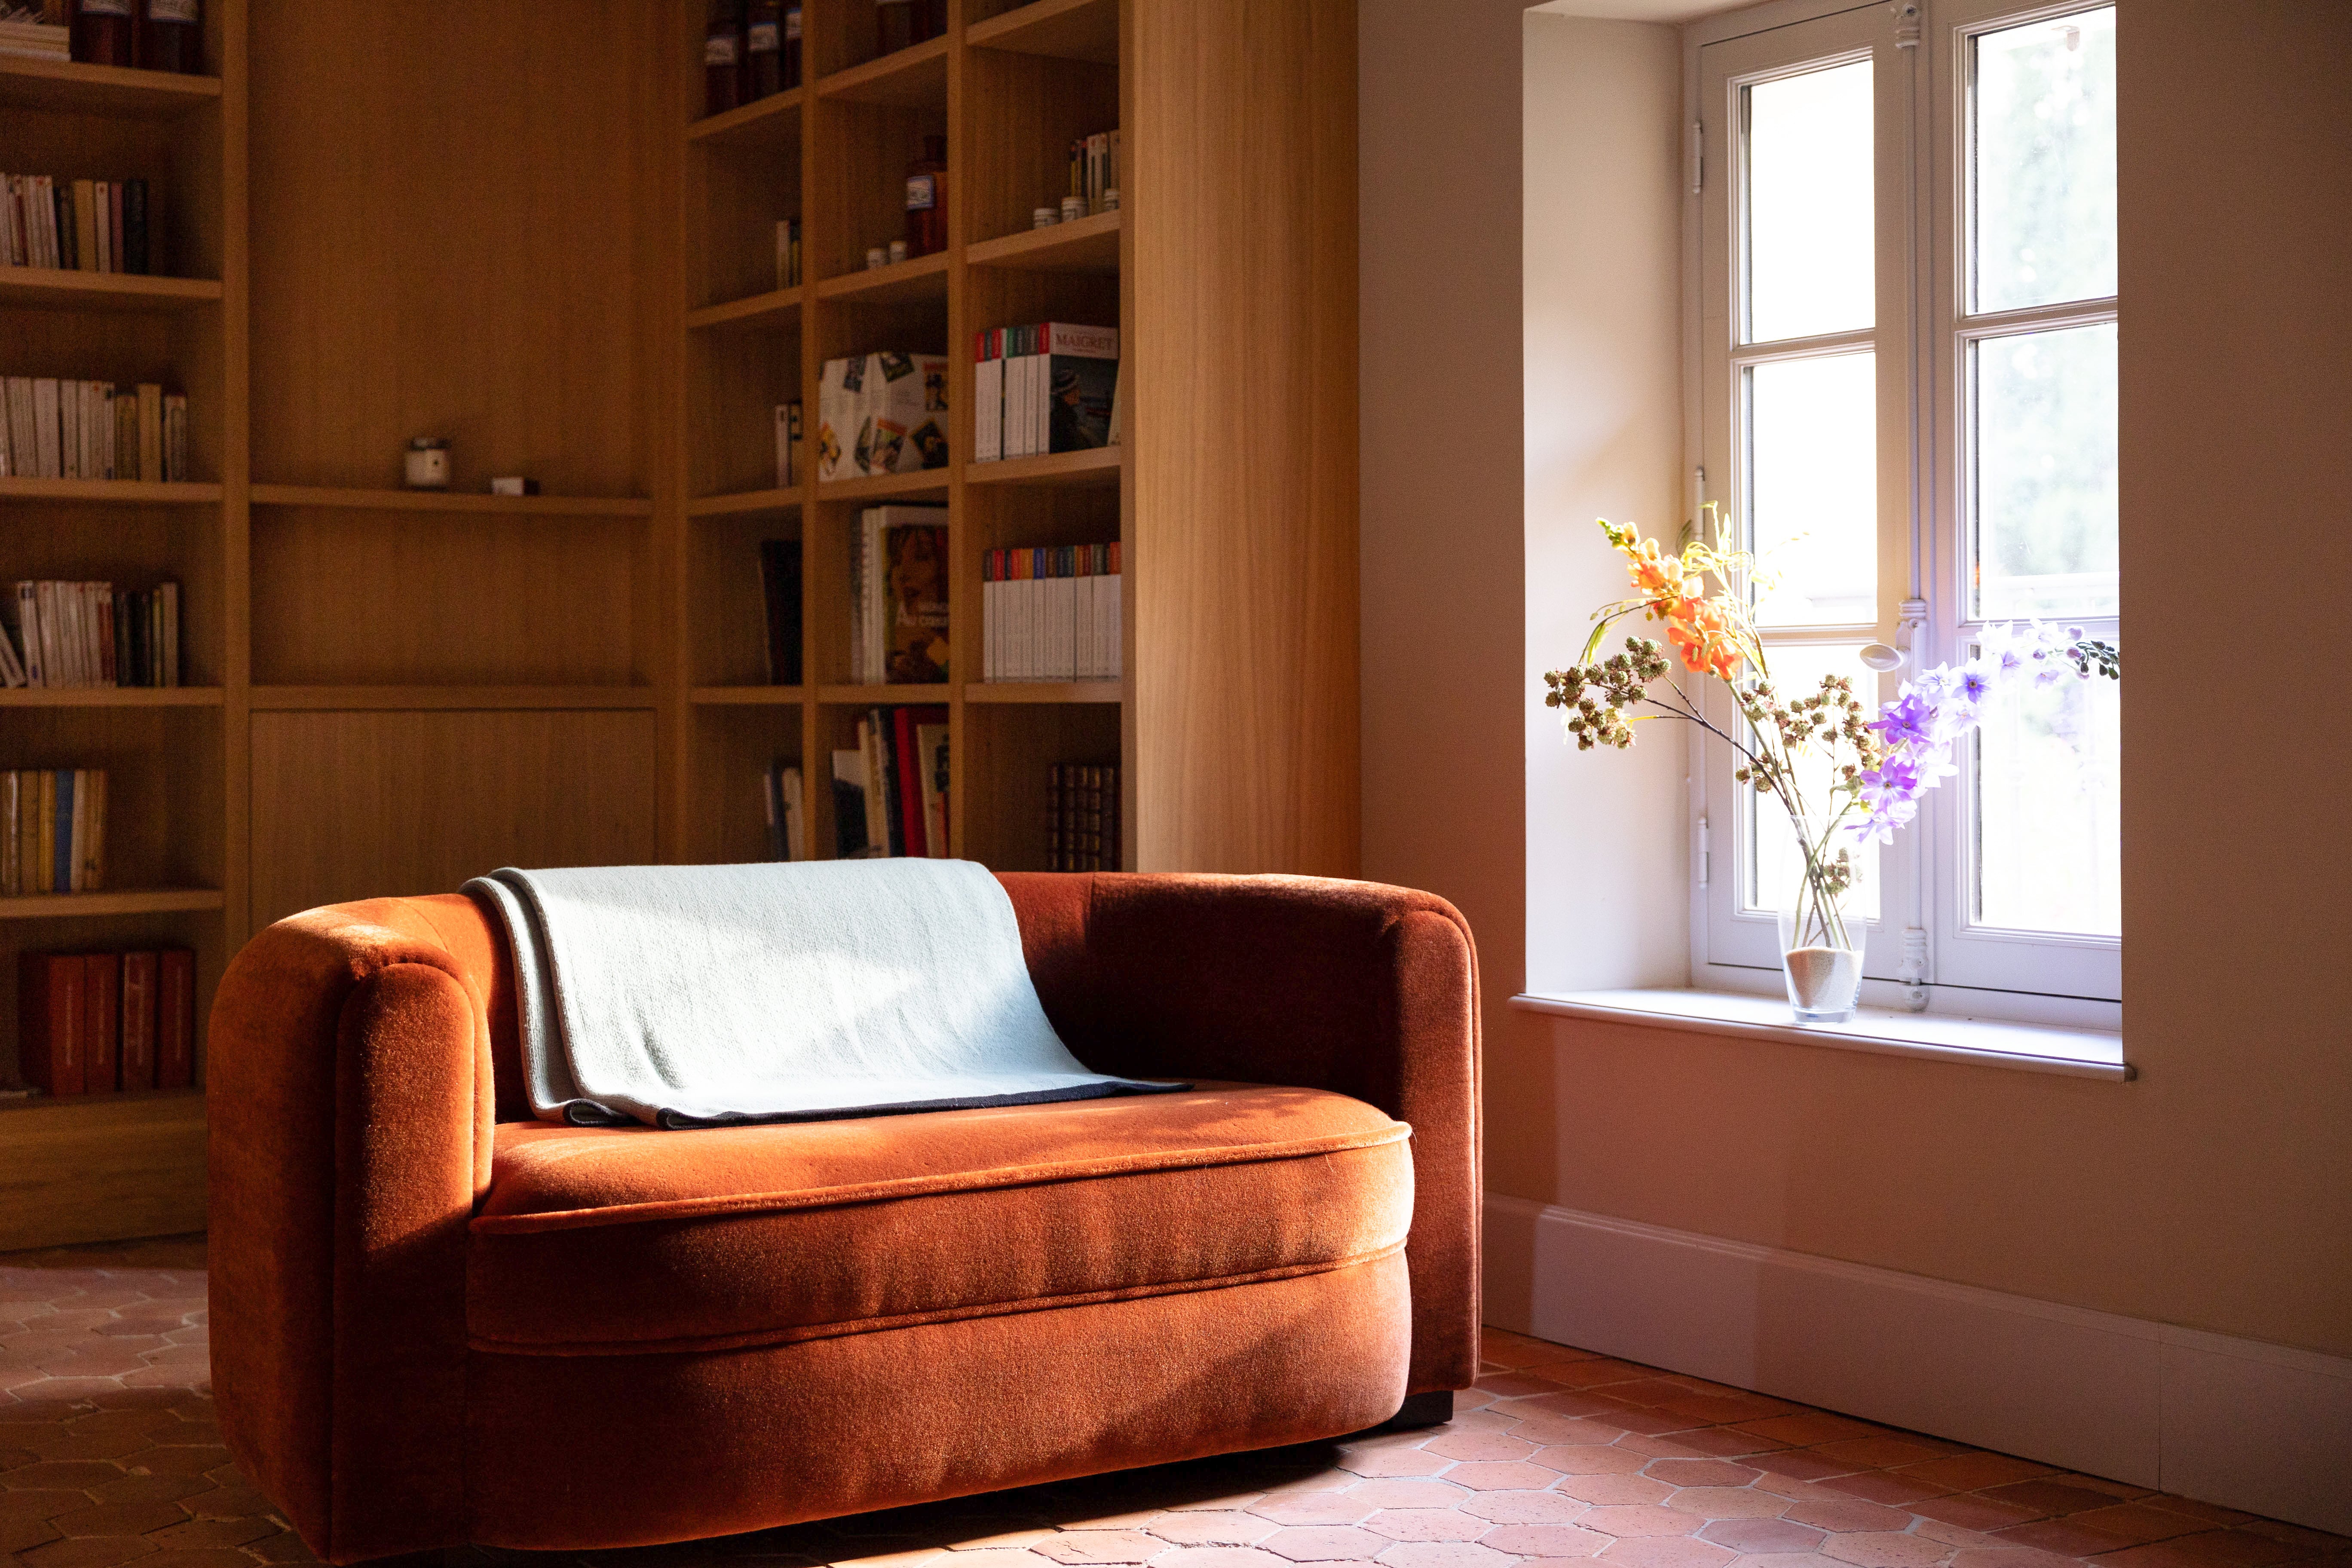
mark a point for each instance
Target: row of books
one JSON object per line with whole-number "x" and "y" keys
{"x": 788, "y": 444}
{"x": 86, "y": 634}
{"x": 55, "y": 823}
{"x": 91, "y": 430}
{"x": 787, "y": 812}
{"x": 75, "y": 226}
{"x": 1094, "y": 170}
{"x": 890, "y": 791}
{"x": 107, "y": 1023}
{"x": 1052, "y": 387}
{"x": 1051, "y": 613}
{"x": 779, "y": 600}
{"x": 898, "y": 596}
{"x": 1081, "y": 818}
{"x": 23, "y": 33}
{"x": 881, "y": 414}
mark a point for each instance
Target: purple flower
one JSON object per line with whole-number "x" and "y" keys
{"x": 1909, "y": 721}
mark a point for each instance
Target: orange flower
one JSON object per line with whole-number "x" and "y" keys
{"x": 1675, "y": 591}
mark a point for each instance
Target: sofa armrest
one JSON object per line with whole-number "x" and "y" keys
{"x": 1362, "y": 989}
{"x": 348, "y": 1091}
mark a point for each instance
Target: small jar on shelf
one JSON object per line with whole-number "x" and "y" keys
{"x": 926, "y": 199}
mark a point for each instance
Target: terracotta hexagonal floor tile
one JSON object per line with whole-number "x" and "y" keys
{"x": 2008, "y": 1557}
{"x": 1324, "y": 1544}
{"x": 1575, "y": 1431}
{"x": 1083, "y": 1548}
{"x": 1590, "y": 1459}
{"x": 1666, "y": 1552}
{"x": 1845, "y": 1515}
{"x": 1443, "y": 1554}
{"x": 1613, "y": 1488}
{"x": 1547, "y": 1541}
{"x": 1480, "y": 1446}
{"x": 1525, "y": 1508}
{"x": 119, "y": 1519}
{"x": 1885, "y": 1486}
{"x": 1212, "y": 1527}
{"x": 1427, "y": 1524}
{"x": 1393, "y": 1462}
{"x": 1974, "y": 1472}
{"x": 1700, "y": 1473}
{"x": 1761, "y": 1535}
{"x": 1501, "y": 1475}
{"x": 1885, "y": 1548}
{"x": 1728, "y": 1502}
{"x": 1220, "y": 1557}
{"x": 1971, "y": 1511}
{"x": 1409, "y": 1492}
{"x": 1310, "y": 1508}
{"x": 1641, "y": 1520}
{"x": 87, "y": 1551}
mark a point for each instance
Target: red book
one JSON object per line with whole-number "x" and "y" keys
{"x": 101, "y": 1021}
{"x": 137, "y": 1020}
{"x": 175, "y": 1018}
{"x": 910, "y": 791}
{"x": 48, "y": 1020}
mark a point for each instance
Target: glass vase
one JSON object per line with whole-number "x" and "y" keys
{"x": 1822, "y": 942}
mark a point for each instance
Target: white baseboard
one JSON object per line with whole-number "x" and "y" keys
{"x": 2234, "y": 1422}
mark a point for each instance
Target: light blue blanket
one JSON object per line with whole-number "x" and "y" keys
{"x": 693, "y": 996}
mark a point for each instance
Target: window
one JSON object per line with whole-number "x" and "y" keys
{"x": 1905, "y": 398}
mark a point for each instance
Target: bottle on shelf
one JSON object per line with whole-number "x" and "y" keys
{"x": 791, "y": 50}
{"x": 105, "y": 33}
{"x": 926, "y": 199}
{"x": 171, "y": 37}
{"x": 722, "y": 56}
{"x": 763, "y": 50}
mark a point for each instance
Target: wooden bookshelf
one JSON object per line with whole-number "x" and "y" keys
{"x": 390, "y": 690}
{"x": 101, "y": 1166}
{"x": 1234, "y": 725}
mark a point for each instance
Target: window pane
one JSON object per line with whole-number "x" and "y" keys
{"x": 2045, "y": 497}
{"x": 1812, "y": 488}
{"x": 2044, "y": 171}
{"x": 1808, "y": 203}
{"x": 2048, "y": 830}
{"x": 1774, "y": 866}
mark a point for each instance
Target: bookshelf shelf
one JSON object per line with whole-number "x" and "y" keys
{"x": 449, "y": 699}
{"x": 335, "y": 498}
{"x": 1098, "y": 466}
{"x": 1042, "y": 692}
{"x": 760, "y": 310}
{"x": 1061, "y": 29}
{"x": 72, "y": 88}
{"x": 924, "y": 483}
{"x": 112, "y": 697}
{"x": 915, "y": 77}
{"x": 161, "y": 1098}
{"x": 48, "y": 289}
{"x": 924, "y": 277}
{"x": 1086, "y": 245}
{"x": 747, "y": 696}
{"x": 109, "y": 492}
{"x": 742, "y": 501}
{"x": 881, "y": 696}
{"x": 129, "y": 901}
{"x": 775, "y": 110}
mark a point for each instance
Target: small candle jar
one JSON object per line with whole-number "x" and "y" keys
{"x": 1043, "y": 217}
{"x": 877, "y": 256}
{"x": 1110, "y": 200}
{"x": 898, "y": 251}
{"x": 1073, "y": 208}
{"x": 428, "y": 464}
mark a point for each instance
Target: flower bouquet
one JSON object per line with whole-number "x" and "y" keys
{"x": 1845, "y": 778}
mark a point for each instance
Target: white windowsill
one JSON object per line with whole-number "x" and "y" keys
{"x": 2077, "y": 1053}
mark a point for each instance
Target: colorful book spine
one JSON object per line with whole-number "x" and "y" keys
{"x": 1052, "y": 613}
{"x": 55, "y": 829}
{"x": 50, "y": 1032}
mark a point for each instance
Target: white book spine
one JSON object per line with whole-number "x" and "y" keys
{"x": 988, "y": 411}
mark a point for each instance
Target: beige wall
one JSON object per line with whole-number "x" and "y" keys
{"x": 2215, "y": 1191}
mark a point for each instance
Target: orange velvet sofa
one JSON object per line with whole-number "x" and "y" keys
{"x": 437, "y": 1322}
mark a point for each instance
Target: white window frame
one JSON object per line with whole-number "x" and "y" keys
{"x": 1922, "y": 951}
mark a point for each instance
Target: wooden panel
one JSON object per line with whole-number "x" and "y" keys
{"x": 1007, "y": 753}
{"x": 351, "y": 805}
{"x": 102, "y": 1170}
{"x": 446, "y": 202}
{"x": 727, "y": 819}
{"x": 1242, "y": 159}
{"x": 345, "y": 596}
{"x": 726, "y": 607}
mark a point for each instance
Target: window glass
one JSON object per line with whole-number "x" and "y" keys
{"x": 2044, "y": 163}
{"x": 1812, "y": 490}
{"x": 2048, "y": 831}
{"x": 1809, "y": 242}
{"x": 2043, "y": 500}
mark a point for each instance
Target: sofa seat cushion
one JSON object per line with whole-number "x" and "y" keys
{"x": 605, "y": 1240}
